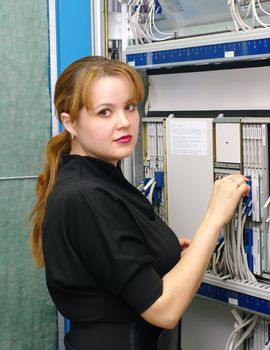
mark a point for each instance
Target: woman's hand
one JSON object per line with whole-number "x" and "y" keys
{"x": 226, "y": 195}
{"x": 184, "y": 244}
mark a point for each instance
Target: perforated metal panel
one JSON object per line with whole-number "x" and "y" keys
{"x": 28, "y": 318}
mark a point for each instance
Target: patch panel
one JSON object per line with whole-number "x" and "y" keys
{"x": 249, "y": 296}
{"x": 154, "y": 165}
{"x": 248, "y": 139}
{"x": 232, "y": 145}
{"x": 214, "y": 48}
{"x": 249, "y": 142}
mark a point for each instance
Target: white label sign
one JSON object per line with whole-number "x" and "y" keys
{"x": 233, "y": 301}
{"x": 188, "y": 137}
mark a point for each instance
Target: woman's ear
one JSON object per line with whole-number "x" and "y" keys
{"x": 68, "y": 124}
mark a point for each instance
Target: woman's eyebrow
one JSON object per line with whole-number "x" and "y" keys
{"x": 103, "y": 105}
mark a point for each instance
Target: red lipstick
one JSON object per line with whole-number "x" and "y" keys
{"x": 124, "y": 139}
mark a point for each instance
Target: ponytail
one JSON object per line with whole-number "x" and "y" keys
{"x": 57, "y": 145}
{"x": 70, "y": 96}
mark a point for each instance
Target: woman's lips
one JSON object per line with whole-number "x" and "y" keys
{"x": 124, "y": 139}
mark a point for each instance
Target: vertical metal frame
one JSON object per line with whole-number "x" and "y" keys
{"x": 97, "y": 25}
{"x": 52, "y": 61}
{"x": 70, "y": 35}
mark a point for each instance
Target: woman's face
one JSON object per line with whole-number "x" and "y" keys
{"x": 109, "y": 130}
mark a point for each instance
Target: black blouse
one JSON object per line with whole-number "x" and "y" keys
{"x": 105, "y": 249}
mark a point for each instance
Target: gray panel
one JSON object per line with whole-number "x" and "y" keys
{"x": 190, "y": 172}
{"x": 211, "y": 90}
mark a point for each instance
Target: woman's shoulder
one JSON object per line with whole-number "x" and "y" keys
{"x": 98, "y": 183}
{"x": 75, "y": 183}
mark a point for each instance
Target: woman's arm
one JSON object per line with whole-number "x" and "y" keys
{"x": 183, "y": 280}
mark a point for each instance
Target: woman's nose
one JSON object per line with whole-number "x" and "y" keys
{"x": 123, "y": 120}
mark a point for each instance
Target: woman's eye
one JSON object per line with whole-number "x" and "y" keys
{"x": 131, "y": 107}
{"x": 104, "y": 113}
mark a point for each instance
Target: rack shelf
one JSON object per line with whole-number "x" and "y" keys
{"x": 253, "y": 297}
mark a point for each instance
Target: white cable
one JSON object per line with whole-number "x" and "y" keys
{"x": 253, "y": 2}
{"x": 214, "y": 265}
{"x": 241, "y": 22}
{"x": 140, "y": 34}
{"x": 133, "y": 18}
{"x": 239, "y": 240}
{"x": 233, "y": 263}
{"x": 150, "y": 33}
{"x": 219, "y": 250}
{"x": 248, "y": 10}
{"x": 148, "y": 184}
{"x": 232, "y": 14}
{"x": 228, "y": 250}
{"x": 266, "y": 203}
{"x": 137, "y": 24}
{"x": 151, "y": 191}
{"x": 247, "y": 332}
{"x": 230, "y": 345}
{"x": 152, "y": 22}
{"x": 250, "y": 276}
{"x": 262, "y": 9}
{"x": 146, "y": 23}
{"x": 144, "y": 31}
{"x": 221, "y": 264}
{"x": 140, "y": 187}
{"x": 132, "y": 25}
{"x": 236, "y": 16}
{"x": 234, "y": 249}
{"x": 244, "y": 264}
{"x": 237, "y": 316}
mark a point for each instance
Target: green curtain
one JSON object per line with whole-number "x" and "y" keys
{"x": 28, "y": 318}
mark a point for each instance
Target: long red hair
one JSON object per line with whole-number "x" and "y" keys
{"x": 71, "y": 95}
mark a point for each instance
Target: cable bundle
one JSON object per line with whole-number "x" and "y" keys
{"x": 148, "y": 188}
{"x": 243, "y": 327}
{"x": 141, "y": 17}
{"x": 257, "y": 4}
{"x": 252, "y": 10}
{"x": 239, "y": 23}
{"x": 229, "y": 261}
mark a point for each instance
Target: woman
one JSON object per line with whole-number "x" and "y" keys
{"x": 112, "y": 266}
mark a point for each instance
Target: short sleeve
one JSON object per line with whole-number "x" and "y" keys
{"x": 112, "y": 249}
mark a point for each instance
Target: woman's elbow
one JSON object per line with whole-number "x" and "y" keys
{"x": 165, "y": 321}
{"x": 170, "y": 323}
